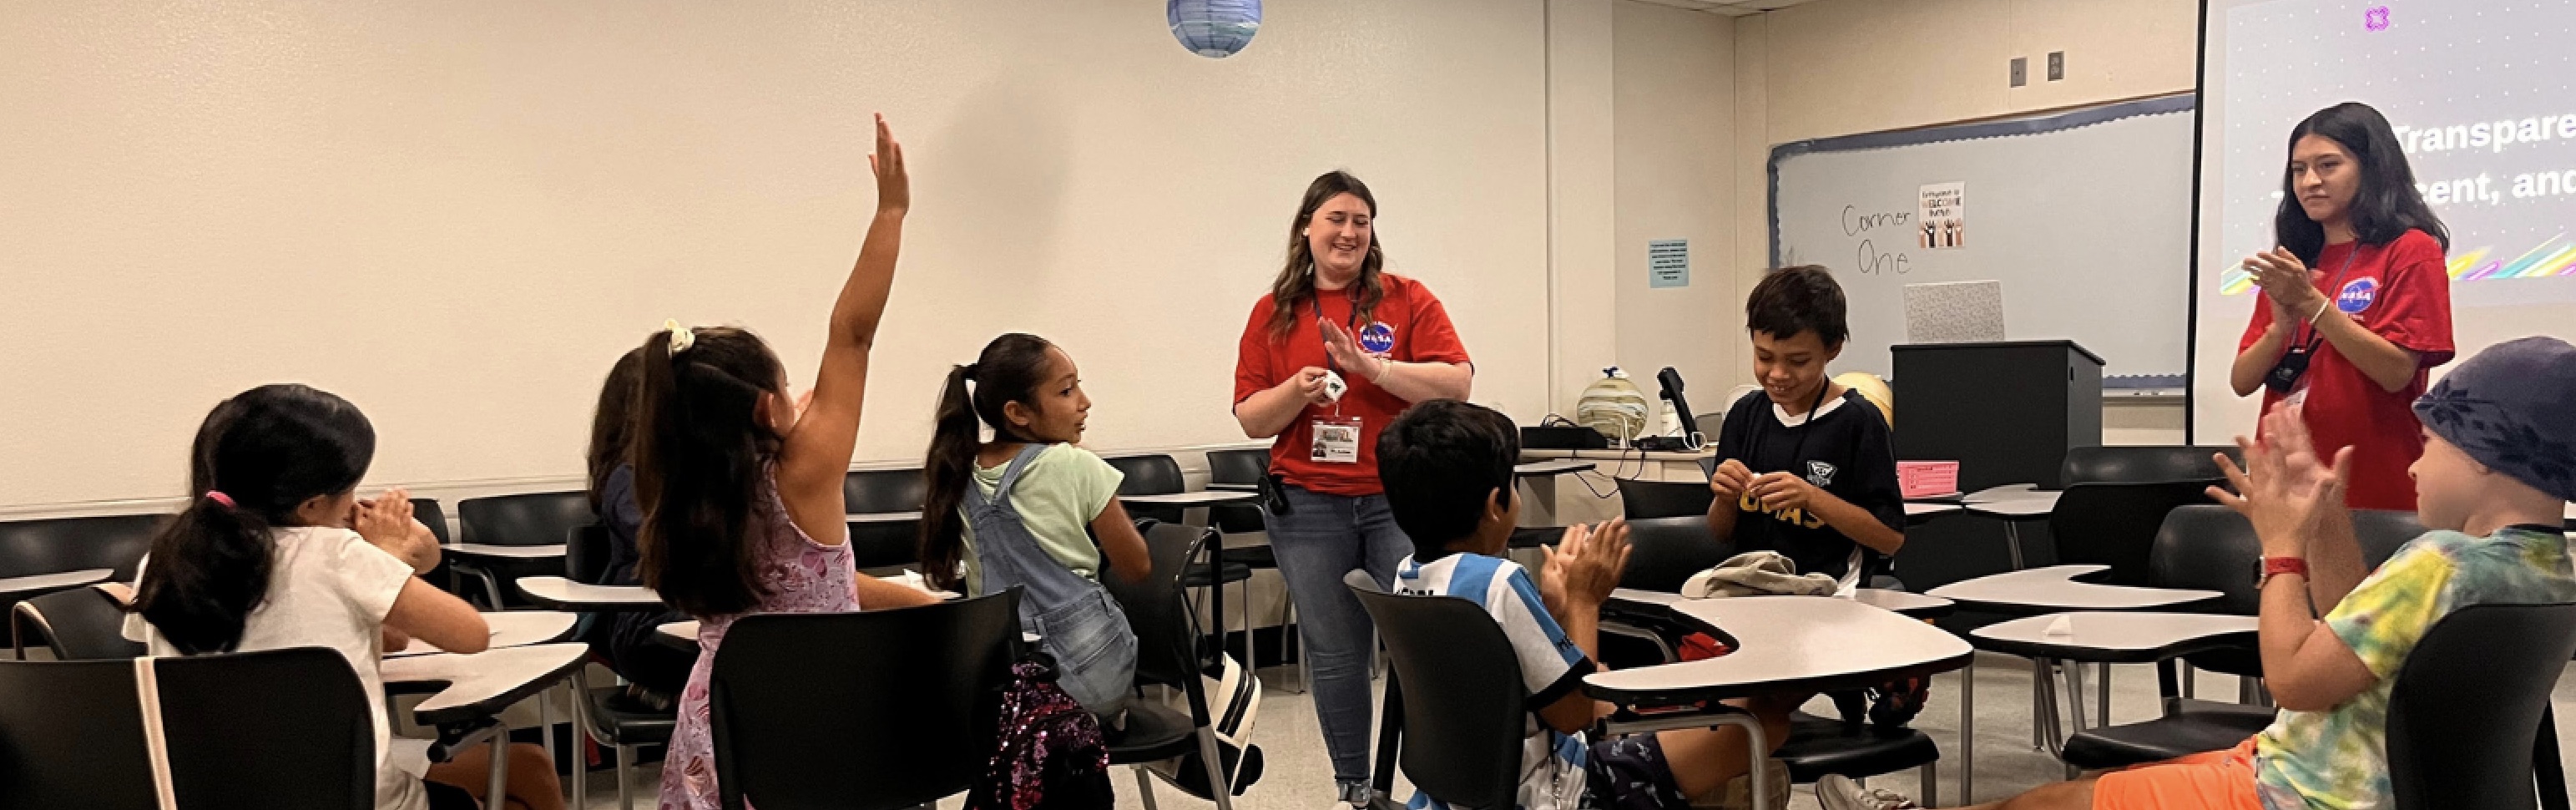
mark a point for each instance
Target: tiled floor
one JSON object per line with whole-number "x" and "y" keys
{"x": 1299, "y": 775}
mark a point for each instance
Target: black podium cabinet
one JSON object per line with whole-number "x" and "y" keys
{"x": 2006, "y": 411}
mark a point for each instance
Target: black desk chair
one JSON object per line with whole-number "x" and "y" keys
{"x": 607, "y": 715}
{"x": 2115, "y": 524}
{"x": 2207, "y": 547}
{"x": 1663, "y": 554}
{"x": 2469, "y": 720}
{"x": 788, "y": 689}
{"x": 279, "y": 728}
{"x": 1169, "y": 652}
{"x": 2145, "y": 465}
{"x": 1641, "y": 499}
{"x": 1160, "y": 474}
{"x": 1244, "y": 469}
{"x": 883, "y": 547}
{"x": 71, "y": 735}
{"x": 81, "y": 624}
{"x": 430, "y": 514}
{"x": 59, "y": 545}
{"x": 2222, "y": 538}
{"x": 527, "y": 519}
{"x": 1460, "y": 743}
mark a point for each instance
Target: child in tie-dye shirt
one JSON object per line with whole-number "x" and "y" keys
{"x": 2498, "y": 469}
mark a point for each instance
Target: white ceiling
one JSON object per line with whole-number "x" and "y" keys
{"x": 1731, "y": 8}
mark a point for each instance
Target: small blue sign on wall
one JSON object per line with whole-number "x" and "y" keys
{"x": 1668, "y": 263}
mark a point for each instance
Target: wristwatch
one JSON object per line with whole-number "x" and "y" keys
{"x": 2270, "y": 567}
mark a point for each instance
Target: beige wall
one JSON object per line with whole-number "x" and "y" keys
{"x": 1843, "y": 67}
{"x": 457, "y": 214}
{"x": 1675, "y": 120}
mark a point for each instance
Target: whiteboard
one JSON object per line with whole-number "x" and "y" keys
{"x": 2084, "y": 216}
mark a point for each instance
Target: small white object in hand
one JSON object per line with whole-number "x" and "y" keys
{"x": 2062, "y": 627}
{"x": 1334, "y": 387}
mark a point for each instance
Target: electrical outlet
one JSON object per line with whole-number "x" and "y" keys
{"x": 2020, "y": 71}
{"x": 2056, "y": 65}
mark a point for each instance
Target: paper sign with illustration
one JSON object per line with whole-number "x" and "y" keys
{"x": 1941, "y": 216}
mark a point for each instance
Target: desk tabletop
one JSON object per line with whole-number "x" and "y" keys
{"x": 1211, "y": 497}
{"x": 884, "y": 517}
{"x": 2052, "y": 589}
{"x": 1622, "y": 455}
{"x": 1924, "y": 509}
{"x": 514, "y": 628}
{"x": 558, "y": 593}
{"x": 537, "y": 552}
{"x": 2017, "y": 503}
{"x": 1553, "y": 468}
{"x": 41, "y": 584}
{"x": 1785, "y": 644}
{"x": 2118, "y": 638}
{"x": 1913, "y": 605}
{"x": 482, "y": 684}
{"x": 681, "y": 635}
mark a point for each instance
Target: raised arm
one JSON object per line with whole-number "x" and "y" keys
{"x": 817, "y": 451}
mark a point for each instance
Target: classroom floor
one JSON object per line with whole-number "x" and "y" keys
{"x": 1300, "y": 777}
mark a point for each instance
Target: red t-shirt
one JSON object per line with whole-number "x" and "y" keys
{"x": 2400, "y": 291}
{"x": 1409, "y": 326}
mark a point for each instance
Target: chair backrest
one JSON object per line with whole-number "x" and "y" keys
{"x": 81, "y": 624}
{"x": 2141, "y": 465}
{"x": 71, "y": 735}
{"x": 526, "y": 519}
{"x": 1461, "y": 736}
{"x": 1238, "y": 466}
{"x": 2383, "y": 532}
{"x": 2115, "y": 524}
{"x": 278, "y": 728}
{"x": 1149, "y": 475}
{"x": 56, "y": 545}
{"x": 2208, "y": 547}
{"x": 1166, "y": 641}
{"x": 868, "y": 491}
{"x": 586, "y": 553}
{"x": 1664, "y": 499}
{"x": 787, "y": 691}
{"x": 2465, "y": 712}
{"x": 429, "y": 513}
{"x": 1665, "y": 552}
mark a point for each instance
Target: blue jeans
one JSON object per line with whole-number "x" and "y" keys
{"x": 1322, "y": 538}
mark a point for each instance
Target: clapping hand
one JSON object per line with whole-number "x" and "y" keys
{"x": 1585, "y": 566}
{"x": 2285, "y": 489}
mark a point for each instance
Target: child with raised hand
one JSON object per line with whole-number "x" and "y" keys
{"x": 1448, "y": 472}
{"x": 1036, "y": 532}
{"x": 2492, "y": 487}
{"x": 741, "y": 492}
{"x": 276, "y": 551}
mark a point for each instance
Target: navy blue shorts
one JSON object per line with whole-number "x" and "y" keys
{"x": 1630, "y": 773}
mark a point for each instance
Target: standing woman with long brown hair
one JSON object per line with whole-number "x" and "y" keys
{"x": 1334, "y": 313}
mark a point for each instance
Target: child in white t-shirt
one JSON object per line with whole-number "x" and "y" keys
{"x": 276, "y": 551}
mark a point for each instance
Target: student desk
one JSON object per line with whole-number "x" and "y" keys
{"x": 472, "y": 688}
{"x": 558, "y": 593}
{"x": 859, "y": 518}
{"x": 2054, "y": 588}
{"x": 1913, "y": 605}
{"x": 492, "y": 552}
{"x": 516, "y": 628}
{"x": 2014, "y": 504}
{"x": 2107, "y": 638}
{"x": 15, "y": 588}
{"x": 1194, "y": 505}
{"x": 1781, "y": 644}
{"x": 1539, "y": 478}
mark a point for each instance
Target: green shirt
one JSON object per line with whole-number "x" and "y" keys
{"x": 2338, "y": 759}
{"x": 1062, "y": 490}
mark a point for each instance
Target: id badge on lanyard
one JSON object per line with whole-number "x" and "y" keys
{"x": 1337, "y": 437}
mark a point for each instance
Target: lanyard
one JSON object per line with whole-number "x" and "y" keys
{"x": 2313, "y": 338}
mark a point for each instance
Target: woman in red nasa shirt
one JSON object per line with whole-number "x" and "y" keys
{"x": 1334, "y": 309}
{"x": 2357, "y": 300}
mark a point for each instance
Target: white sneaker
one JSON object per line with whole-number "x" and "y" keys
{"x": 1839, "y": 792}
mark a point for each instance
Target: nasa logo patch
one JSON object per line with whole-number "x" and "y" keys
{"x": 2357, "y": 296}
{"x": 1377, "y": 338}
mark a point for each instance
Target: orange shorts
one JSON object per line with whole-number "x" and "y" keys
{"x": 2218, "y": 780}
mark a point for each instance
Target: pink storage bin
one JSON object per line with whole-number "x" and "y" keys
{"x": 1927, "y": 479}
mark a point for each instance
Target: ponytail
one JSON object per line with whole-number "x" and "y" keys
{"x": 702, "y": 457}
{"x": 256, "y": 460}
{"x": 946, "y": 472}
{"x": 1010, "y": 370}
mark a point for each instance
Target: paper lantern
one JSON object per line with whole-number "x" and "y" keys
{"x": 1214, "y": 29}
